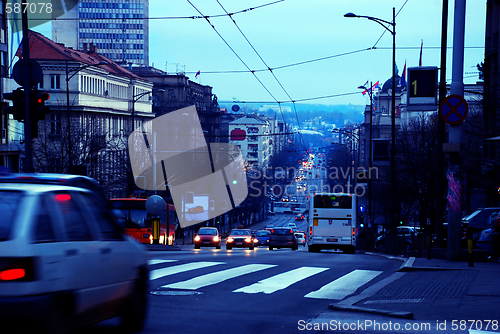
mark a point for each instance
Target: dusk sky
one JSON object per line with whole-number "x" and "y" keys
{"x": 313, "y": 49}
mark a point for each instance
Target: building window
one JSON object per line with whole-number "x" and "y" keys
{"x": 55, "y": 124}
{"x": 55, "y": 81}
{"x": 381, "y": 150}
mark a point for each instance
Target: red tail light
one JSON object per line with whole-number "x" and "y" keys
{"x": 17, "y": 269}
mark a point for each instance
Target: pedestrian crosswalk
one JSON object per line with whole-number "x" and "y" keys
{"x": 337, "y": 289}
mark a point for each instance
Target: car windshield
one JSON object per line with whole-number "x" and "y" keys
{"x": 207, "y": 232}
{"x": 262, "y": 233}
{"x": 9, "y": 204}
{"x": 240, "y": 232}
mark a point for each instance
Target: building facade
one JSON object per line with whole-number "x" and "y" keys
{"x": 254, "y": 139}
{"x": 90, "y": 119}
{"x": 118, "y": 28}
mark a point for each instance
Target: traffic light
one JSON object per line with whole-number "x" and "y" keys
{"x": 361, "y": 221}
{"x": 17, "y": 109}
{"x": 38, "y": 109}
{"x": 235, "y": 179}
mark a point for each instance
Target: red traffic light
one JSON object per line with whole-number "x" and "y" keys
{"x": 42, "y": 97}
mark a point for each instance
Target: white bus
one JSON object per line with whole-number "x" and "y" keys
{"x": 332, "y": 222}
{"x": 289, "y": 207}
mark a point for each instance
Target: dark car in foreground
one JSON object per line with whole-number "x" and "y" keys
{"x": 495, "y": 236}
{"x": 207, "y": 237}
{"x": 262, "y": 238}
{"x": 282, "y": 237}
{"x": 64, "y": 262}
{"x": 477, "y": 222}
{"x": 241, "y": 238}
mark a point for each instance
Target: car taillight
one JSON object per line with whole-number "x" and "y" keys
{"x": 17, "y": 269}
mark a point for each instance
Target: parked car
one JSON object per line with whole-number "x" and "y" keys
{"x": 241, "y": 238}
{"x": 301, "y": 238}
{"x": 282, "y": 237}
{"x": 207, "y": 237}
{"x": 406, "y": 234}
{"x": 262, "y": 238}
{"x": 477, "y": 222}
{"x": 495, "y": 236}
{"x": 65, "y": 262}
{"x": 196, "y": 209}
{"x": 483, "y": 242}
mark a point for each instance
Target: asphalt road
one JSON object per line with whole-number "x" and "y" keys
{"x": 243, "y": 291}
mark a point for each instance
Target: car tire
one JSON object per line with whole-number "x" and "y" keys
{"x": 196, "y": 246}
{"x": 229, "y": 247}
{"x": 133, "y": 315}
{"x": 217, "y": 247}
{"x": 295, "y": 248}
{"x": 271, "y": 248}
{"x": 251, "y": 247}
{"x": 350, "y": 250}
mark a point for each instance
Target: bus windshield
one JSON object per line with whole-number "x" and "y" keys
{"x": 332, "y": 202}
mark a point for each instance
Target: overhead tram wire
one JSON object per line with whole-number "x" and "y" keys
{"x": 386, "y": 29}
{"x": 192, "y": 17}
{"x": 270, "y": 70}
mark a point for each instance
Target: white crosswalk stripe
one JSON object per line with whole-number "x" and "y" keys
{"x": 158, "y": 273}
{"x": 345, "y": 285}
{"x": 281, "y": 281}
{"x": 157, "y": 261}
{"x": 217, "y": 277}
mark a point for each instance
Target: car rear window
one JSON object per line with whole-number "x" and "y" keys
{"x": 9, "y": 205}
{"x": 282, "y": 231}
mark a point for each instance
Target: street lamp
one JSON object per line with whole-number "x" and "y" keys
{"x": 136, "y": 98}
{"x": 68, "y": 78}
{"x": 370, "y": 92}
{"x": 384, "y": 24}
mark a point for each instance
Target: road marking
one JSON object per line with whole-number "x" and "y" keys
{"x": 156, "y": 261}
{"x": 217, "y": 277}
{"x": 158, "y": 273}
{"x": 281, "y": 281}
{"x": 345, "y": 285}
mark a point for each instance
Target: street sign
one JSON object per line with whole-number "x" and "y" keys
{"x": 36, "y": 73}
{"x": 453, "y": 109}
{"x": 422, "y": 88}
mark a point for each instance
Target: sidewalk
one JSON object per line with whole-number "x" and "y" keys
{"x": 432, "y": 289}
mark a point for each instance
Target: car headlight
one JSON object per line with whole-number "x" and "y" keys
{"x": 229, "y": 240}
{"x": 197, "y": 238}
{"x": 248, "y": 239}
{"x": 216, "y": 238}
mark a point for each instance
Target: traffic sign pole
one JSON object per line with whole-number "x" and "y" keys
{"x": 28, "y": 159}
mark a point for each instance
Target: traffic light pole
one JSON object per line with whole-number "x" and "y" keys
{"x": 28, "y": 153}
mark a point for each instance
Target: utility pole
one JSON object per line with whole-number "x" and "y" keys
{"x": 28, "y": 151}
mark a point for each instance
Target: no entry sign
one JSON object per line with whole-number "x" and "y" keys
{"x": 453, "y": 109}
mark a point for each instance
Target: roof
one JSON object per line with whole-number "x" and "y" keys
{"x": 42, "y": 48}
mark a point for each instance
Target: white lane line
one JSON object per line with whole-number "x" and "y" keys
{"x": 158, "y": 273}
{"x": 217, "y": 277}
{"x": 281, "y": 281}
{"x": 345, "y": 285}
{"x": 156, "y": 261}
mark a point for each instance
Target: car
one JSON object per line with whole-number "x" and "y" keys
{"x": 477, "y": 222}
{"x": 196, "y": 209}
{"x": 495, "y": 236}
{"x": 294, "y": 199}
{"x": 270, "y": 213}
{"x": 282, "y": 237}
{"x": 406, "y": 234}
{"x": 292, "y": 226}
{"x": 269, "y": 227}
{"x": 301, "y": 238}
{"x": 300, "y": 216}
{"x": 65, "y": 261}
{"x": 241, "y": 238}
{"x": 262, "y": 238}
{"x": 207, "y": 237}
{"x": 285, "y": 199}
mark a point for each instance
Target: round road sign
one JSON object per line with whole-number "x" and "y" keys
{"x": 453, "y": 109}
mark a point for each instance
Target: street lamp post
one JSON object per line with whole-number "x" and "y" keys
{"x": 392, "y": 24}
{"x": 370, "y": 92}
{"x": 68, "y": 78}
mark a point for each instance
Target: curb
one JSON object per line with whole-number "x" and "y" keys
{"x": 390, "y": 257}
{"x": 402, "y": 314}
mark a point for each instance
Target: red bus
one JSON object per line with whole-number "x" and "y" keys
{"x": 138, "y": 220}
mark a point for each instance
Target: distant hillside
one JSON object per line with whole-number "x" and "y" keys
{"x": 333, "y": 114}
